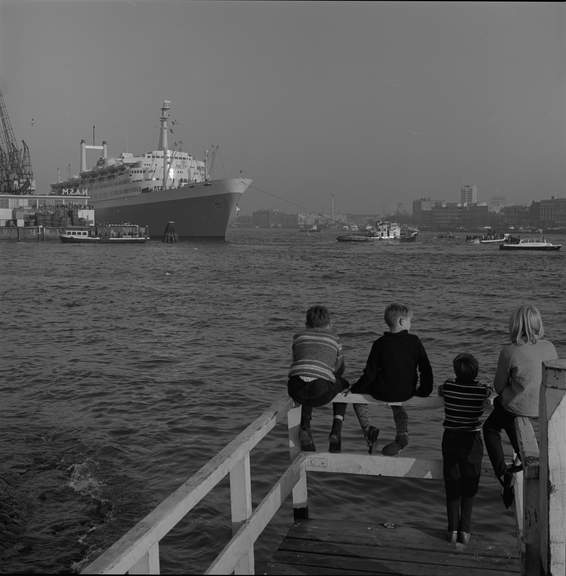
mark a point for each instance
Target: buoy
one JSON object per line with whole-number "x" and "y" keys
{"x": 170, "y": 235}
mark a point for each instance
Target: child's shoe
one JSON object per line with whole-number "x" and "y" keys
{"x": 335, "y": 437}
{"x": 371, "y": 435}
{"x": 393, "y": 448}
{"x": 452, "y": 537}
{"x": 307, "y": 443}
{"x": 464, "y": 537}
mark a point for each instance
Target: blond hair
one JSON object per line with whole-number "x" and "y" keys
{"x": 525, "y": 325}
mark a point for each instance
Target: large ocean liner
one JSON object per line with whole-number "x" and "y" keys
{"x": 159, "y": 187}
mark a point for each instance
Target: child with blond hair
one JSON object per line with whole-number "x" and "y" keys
{"x": 517, "y": 382}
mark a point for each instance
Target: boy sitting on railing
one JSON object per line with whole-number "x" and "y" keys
{"x": 315, "y": 376}
{"x": 396, "y": 364}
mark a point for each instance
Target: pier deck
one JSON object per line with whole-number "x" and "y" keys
{"x": 383, "y": 548}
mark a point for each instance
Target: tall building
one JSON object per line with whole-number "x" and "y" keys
{"x": 468, "y": 195}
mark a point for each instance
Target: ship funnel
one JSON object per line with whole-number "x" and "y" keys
{"x": 164, "y": 117}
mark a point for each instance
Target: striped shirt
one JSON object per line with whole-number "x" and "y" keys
{"x": 317, "y": 353}
{"x": 464, "y": 404}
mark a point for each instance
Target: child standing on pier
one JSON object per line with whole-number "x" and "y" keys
{"x": 465, "y": 400}
{"x": 396, "y": 363}
{"x": 315, "y": 376}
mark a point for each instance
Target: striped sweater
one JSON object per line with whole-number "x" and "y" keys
{"x": 464, "y": 404}
{"x": 317, "y": 353}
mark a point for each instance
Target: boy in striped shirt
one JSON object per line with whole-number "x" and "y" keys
{"x": 465, "y": 400}
{"x": 315, "y": 376}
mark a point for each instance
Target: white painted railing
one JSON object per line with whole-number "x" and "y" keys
{"x": 540, "y": 498}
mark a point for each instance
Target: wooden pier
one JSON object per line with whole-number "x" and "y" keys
{"x": 315, "y": 546}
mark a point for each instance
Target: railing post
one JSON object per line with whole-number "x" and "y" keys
{"x": 300, "y": 492}
{"x": 553, "y": 468}
{"x": 241, "y": 505}
{"x": 528, "y": 500}
{"x": 148, "y": 563}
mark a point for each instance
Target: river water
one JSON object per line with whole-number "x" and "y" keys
{"x": 126, "y": 368}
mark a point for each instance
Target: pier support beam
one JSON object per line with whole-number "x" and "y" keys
{"x": 300, "y": 492}
{"x": 553, "y": 468}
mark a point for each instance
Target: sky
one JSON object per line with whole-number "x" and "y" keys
{"x": 369, "y": 105}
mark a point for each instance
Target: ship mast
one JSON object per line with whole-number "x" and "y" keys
{"x": 163, "y": 138}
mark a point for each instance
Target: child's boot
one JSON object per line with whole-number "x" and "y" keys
{"x": 393, "y": 448}
{"x": 335, "y": 437}
{"x": 307, "y": 443}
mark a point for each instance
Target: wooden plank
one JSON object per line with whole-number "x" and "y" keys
{"x": 438, "y": 552}
{"x": 553, "y": 468}
{"x": 149, "y": 562}
{"x": 300, "y": 491}
{"x": 377, "y": 533}
{"x": 414, "y": 402}
{"x": 254, "y": 526}
{"x": 241, "y": 506}
{"x": 124, "y": 553}
{"x": 319, "y": 547}
{"x": 408, "y": 567}
{"x": 378, "y": 465}
{"x": 529, "y": 526}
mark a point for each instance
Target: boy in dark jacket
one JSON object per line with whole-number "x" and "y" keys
{"x": 397, "y": 369}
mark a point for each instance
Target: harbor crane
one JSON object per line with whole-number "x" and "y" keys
{"x": 16, "y": 175}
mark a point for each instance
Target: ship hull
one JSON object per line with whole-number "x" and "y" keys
{"x": 202, "y": 210}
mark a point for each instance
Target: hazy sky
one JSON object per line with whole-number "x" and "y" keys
{"x": 373, "y": 102}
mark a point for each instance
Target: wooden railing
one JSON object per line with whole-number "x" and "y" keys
{"x": 540, "y": 492}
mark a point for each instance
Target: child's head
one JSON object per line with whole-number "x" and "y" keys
{"x": 525, "y": 325}
{"x": 318, "y": 317}
{"x": 397, "y": 317}
{"x": 465, "y": 367}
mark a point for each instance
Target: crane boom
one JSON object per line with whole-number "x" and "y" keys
{"x": 16, "y": 175}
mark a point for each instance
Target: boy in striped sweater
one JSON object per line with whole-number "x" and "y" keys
{"x": 465, "y": 400}
{"x": 315, "y": 376}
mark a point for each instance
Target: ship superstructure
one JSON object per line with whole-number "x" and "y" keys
{"x": 157, "y": 187}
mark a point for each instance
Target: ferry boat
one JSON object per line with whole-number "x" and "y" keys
{"x": 530, "y": 244}
{"x": 108, "y": 234}
{"x": 156, "y": 188}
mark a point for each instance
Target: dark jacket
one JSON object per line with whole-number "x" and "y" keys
{"x": 396, "y": 363}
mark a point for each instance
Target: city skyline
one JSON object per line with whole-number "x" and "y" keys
{"x": 366, "y": 105}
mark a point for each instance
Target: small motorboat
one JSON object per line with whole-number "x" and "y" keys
{"x": 530, "y": 244}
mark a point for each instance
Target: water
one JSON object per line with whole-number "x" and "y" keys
{"x": 126, "y": 368}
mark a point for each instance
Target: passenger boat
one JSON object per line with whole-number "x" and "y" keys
{"x": 530, "y": 244}
{"x": 106, "y": 234}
